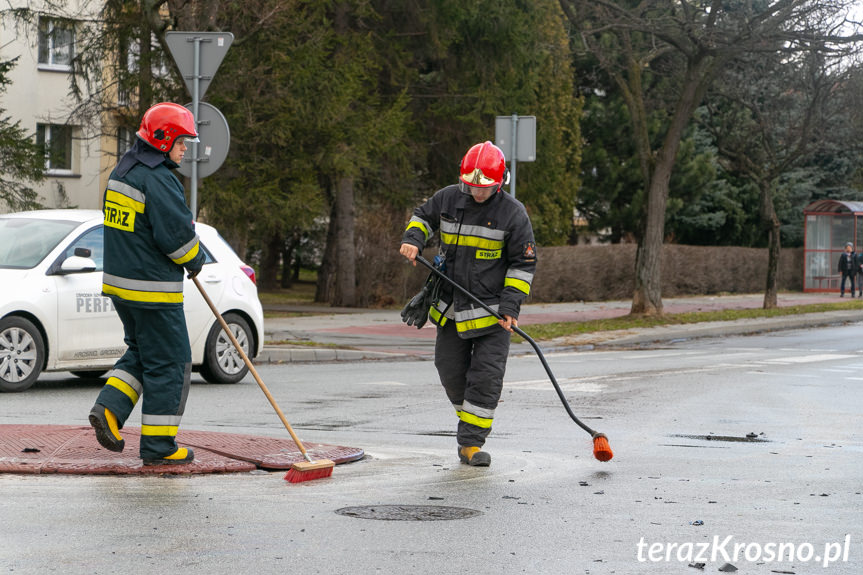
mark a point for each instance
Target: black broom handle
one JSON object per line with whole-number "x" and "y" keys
{"x": 517, "y": 330}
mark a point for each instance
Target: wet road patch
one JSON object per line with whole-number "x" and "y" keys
{"x": 408, "y": 512}
{"x": 749, "y": 438}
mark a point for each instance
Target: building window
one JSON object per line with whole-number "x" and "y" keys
{"x": 56, "y": 44}
{"x": 125, "y": 139}
{"x": 57, "y": 143}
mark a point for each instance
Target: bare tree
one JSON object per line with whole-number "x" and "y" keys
{"x": 767, "y": 116}
{"x": 678, "y": 48}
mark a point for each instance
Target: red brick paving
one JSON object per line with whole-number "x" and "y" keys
{"x": 35, "y": 449}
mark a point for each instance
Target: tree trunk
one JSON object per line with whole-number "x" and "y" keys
{"x": 647, "y": 299}
{"x": 288, "y": 250}
{"x": 326, "y": 275}
{"x": 145, "y": 68}
{"x": 346, "y": 276}
{"x": 771, "y": 223}
{"x": 268, "y": 278}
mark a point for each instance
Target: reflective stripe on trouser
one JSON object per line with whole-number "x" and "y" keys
{"x": 471, "y": 371}
{"x": 157, "y": 366}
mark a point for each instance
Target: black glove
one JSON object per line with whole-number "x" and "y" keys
{"x": 416, "y": 312}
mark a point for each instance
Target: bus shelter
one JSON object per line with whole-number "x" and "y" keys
{"x": 829, "y": 225}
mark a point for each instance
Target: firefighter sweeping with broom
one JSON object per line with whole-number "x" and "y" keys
{"x": 149, "y": 240}
{"x": 487, "y": 246}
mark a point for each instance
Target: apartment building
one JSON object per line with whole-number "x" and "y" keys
{"x": 81, "y": 153}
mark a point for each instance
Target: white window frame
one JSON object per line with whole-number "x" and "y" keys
{"x": 48, "y": 132}
{"x": 48, "y": 44}
{"x": 125, "y": 139}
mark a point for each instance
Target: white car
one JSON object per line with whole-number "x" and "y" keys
{"x": 53, "y": 316}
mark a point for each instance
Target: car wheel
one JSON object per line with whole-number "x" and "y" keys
{"x": 222, "y": 362}
{"x": 22, "y": 353}
{"x": 95, "y": 374}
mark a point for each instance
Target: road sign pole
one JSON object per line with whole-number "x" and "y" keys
{"x": 198, "y": 56}
{"x": 513, "y": 156}
{"x": 196, "y": 83}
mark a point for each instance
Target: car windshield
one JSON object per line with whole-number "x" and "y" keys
{"x": 24, "y": 242}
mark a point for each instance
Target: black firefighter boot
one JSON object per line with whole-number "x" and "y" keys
{"x": 473, "y": 456}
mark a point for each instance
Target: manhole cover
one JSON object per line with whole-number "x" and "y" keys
{"x": 408, "y": 512}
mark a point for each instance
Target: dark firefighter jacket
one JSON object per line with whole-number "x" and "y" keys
{"x": 489, "y": 250}
{"x": 149, "y": 233}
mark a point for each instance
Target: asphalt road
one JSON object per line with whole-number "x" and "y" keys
{"x": 686, "y": 485}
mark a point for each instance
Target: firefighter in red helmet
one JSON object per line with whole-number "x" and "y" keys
{"x": 149, "y": 243}
{"x": 486, "y": 246}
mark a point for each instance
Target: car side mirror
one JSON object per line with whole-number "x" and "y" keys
{"x": 77, "y": 264}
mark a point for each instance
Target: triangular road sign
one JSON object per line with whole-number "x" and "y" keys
{"x": 213, "y": 46}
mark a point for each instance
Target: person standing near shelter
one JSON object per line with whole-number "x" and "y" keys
{"x": 848, "y": 267}
{"x": 488, "y": 248}
{"x": 858, "y": 265}
{"x": 149, "y": 240}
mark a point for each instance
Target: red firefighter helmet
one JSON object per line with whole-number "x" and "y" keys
{"x": 483, "y": 166}
{"x": 163, "y": 123}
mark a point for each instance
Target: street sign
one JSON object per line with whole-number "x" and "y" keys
{"x": 212, "y": 47}
{"x": 198, "y": 56}
{"x": 215, "y": 142}
{"x": 524, "y": 137}
{"x": 516, "y": 136}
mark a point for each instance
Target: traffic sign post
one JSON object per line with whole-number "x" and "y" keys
{"x": 516, "y": 136}
{"x": 198, "y": 55}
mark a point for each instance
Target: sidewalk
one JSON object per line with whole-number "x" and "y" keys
{"x": 357, "y": 334}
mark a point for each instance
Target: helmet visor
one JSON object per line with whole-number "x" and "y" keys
{"x": 477, "y": 178}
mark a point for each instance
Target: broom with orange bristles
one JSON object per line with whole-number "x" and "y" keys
{"x": 601, "y": 449}
{"x": 301, "y": 471}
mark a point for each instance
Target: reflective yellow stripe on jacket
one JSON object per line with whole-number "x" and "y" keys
{"x": 142, "y": 290}
{"x": 421, "y": 224}
{"x": 186, "y": 252}
{"x": 518, "y": 279}
{"x": 472, "y": 236}
{"x": 437, "y": 311}
{"x": 123, "y": 194}
{"x": 472, "y": 319}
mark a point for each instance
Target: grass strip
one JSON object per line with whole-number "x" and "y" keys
{"x": 547, "y": 331}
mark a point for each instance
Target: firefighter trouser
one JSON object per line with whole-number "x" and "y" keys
{"x": 157, "y": 365}
{"x": 471, "y": 371}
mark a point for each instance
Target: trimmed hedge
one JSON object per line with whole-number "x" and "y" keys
{"x": 595, "y": 273}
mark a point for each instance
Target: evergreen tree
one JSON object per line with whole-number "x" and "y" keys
{"x": 22, "y": 162}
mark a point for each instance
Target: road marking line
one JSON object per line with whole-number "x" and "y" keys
{"x": 810, "y": 358}
{"x": 805, "y": 376}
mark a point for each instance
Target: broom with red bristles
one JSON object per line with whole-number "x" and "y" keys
{"x": 601, "y": 449}
{"x": 301, "y": 471}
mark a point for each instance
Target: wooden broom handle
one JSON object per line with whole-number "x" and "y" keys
{"x": 251, "y": 368}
